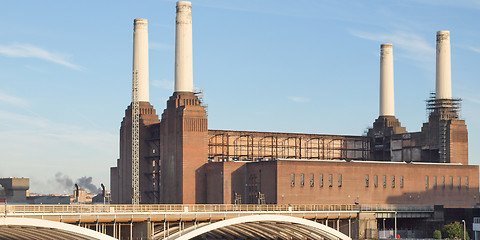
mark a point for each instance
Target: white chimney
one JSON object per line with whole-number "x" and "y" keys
{"x": 140, "y": 58}
{"x": 444, "y": 66}
{"x": 183, "y": 48}
{"x": 387, "y": 104}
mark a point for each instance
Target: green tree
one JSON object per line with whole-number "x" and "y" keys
{"x": 437, "y": 234}
{"x": 454, "y": 230}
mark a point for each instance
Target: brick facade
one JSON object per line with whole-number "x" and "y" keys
{"x": 341, "y": 182}
{"x": 121, "y": 176}
{"x": 183, "y": 147}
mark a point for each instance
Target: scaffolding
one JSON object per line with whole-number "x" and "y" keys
{"x": 227, "y": 146}
{"x": 443, "y": 110}
{"x": 135, "y": 141}
{"x": 447, "y": 109}
{"x": 201, "y": 97}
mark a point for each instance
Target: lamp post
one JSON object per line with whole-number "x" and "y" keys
{"x": 464, "y": 230}
{"x": 395, "y": 224}
{"x": 384, "y": 233}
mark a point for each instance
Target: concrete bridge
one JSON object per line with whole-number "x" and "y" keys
{"x": 214, "y": 221}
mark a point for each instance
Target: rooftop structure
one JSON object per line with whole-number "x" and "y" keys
{"x": 14, "y": 190}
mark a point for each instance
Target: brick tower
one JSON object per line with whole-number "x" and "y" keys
{"x": 121, "y": 176}
{"x": 446, "y": 135}
{"x": 184, "y": 141}
{"x": 386, "y": 125}
{"x": 184, "y": 127}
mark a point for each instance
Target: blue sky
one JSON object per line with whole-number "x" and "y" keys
{"x": 288, "y": 66}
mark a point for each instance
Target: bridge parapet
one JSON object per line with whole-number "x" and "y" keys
{"x": 46, "y": 209}
{"x": 396, "y": 208}
{"x": 399, "y": 211}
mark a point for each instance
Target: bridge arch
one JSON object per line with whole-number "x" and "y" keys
{"x": 256, "y": 226}
{"x": 30, "y": 228}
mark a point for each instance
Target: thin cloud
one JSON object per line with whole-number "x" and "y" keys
{"x": 40, "y": 128}
{"x": 414, "y": 45}
{"x": 11, "y": 119}
{"x": 13, "y": 100}
{"x": 58, "y": 144}
{"x": 477, "y": 50}
{"x": 31, "y": 51}
{"x": 77, "y": 135}
{"x": 299, "y": 99}
{"x": 164, "y": 84}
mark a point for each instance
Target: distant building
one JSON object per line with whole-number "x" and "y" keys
{"x": 100, "y": 199}
{"x": 81, "y": 196}
{"x": 14, "y": 190}
{"x": 49, "y": 199}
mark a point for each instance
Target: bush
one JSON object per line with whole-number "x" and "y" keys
{"x": 454, "y": 230}
{"x": 437, "y": 234}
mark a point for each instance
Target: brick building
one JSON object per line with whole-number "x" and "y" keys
{"x": 182, "y": 161}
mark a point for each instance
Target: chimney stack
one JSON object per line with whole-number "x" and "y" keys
{"x": 140, "y": 58}
{"x": 183, "y": 48}
{"x": 444, "y": 66}
{"x": 387, "y": 104}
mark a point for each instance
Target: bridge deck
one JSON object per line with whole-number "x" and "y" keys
{"x": 162, "y": 221}
{"x": 191, "y": 212}
{"x": 172, "y": 213}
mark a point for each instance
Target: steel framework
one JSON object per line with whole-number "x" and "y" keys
{"x": 259, "y": 146}
{"x": 135, "y": 141}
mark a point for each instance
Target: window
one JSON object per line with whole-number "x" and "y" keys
{"x": 426, "y": 181}
{"x": 466, "y": 182}
{"x": 401, "y": 181}
{"x": 330, "y": 180}
{"x": 366, "y": 180}
{"x": 302, "y": 180}
{"x": 443, "y": 181}
{"x": 339, "y": 180}
{"x": 393, "y": 181}
{"x": 321, "y": 180}
{"x": 312, "y": 180}
{"x": 384, "y": 181}
{"x": 292, "y": 180}
{"x": 434, "y": 182}
{"x": 459, "y": 182}
{"x": 375, "y": 181}
{"x": 451, "y": 182}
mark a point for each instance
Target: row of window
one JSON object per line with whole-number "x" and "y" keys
{"x": 375, "y": 181}
{"x": 312, "y": 180}
{"x": 434, "y": 183}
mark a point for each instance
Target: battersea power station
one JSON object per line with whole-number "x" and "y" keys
{"x": 174, "y": 158}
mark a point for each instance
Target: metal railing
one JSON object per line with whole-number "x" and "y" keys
{"x": 44, "y": 209}
{"x": 396, "y": 208}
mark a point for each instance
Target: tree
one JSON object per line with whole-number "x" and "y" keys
{"x": 454, "y": 230}
{"x": 437, "y": 234}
